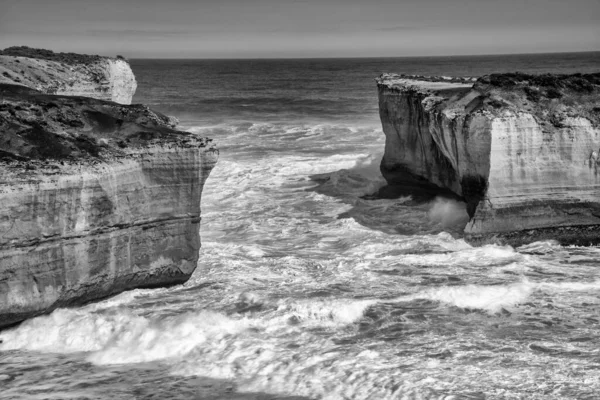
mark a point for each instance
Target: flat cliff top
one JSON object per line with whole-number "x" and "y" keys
{"x": 425, "y": 83}
{"x": 44, "y": 54}
{"x": 43, "y": 134}
{"x": 549, "y": 97}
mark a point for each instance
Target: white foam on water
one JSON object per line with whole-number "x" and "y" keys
{"x": 170, "y": 337}
{"x": 312, "y": 369}
{"x": 492, "y": 298}
{"x": 123, "y": 299}
{"x": 488, "y": 255}
{"x": 541, "y": 247}
{"x": 334, "y": 312}
{"x": 305, "y": 166}
{"x": 68, "y": 331}
{"x": 571, "y": 286}
{"x": 448, "y": 213}
{"x": 120, "y": 336}
{"x": 271, "y": 243}
{"x": 282, "y": 136}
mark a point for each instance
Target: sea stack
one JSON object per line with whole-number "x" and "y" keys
{"x": 518, "y": 149}
{"x": 96, "y": 197}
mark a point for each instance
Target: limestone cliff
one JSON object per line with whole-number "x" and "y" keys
{"x": 95, "y": 198}
{"x": 68, "y": 73}
{"x": 520, "y": 150}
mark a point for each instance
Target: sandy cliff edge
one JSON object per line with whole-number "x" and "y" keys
{"x": 96, "y": 198}
{"x": 520, "y": 150}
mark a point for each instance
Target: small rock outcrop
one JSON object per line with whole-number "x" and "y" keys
{"x": 96, "y": 198}
{"x": 521, "y": 150}
{"x": 68, "y": 73}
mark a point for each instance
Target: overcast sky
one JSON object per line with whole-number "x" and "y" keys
{"x": 301, "y": 28}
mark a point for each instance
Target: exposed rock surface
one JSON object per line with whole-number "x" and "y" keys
{"x": 95, "y": 198}
{"x": 521, "y": 150}
{"x": 68, "y": 73}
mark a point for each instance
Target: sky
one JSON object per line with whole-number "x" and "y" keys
{"x": 301, "y": 28}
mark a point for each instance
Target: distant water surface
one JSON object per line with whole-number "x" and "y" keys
{"x": 306, "y": 290}
{"x": 324, "y": 90}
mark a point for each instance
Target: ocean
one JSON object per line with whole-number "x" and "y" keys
{"x": 307, "y": 289}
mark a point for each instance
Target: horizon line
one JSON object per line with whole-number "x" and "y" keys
{"x": 362, "y": 57}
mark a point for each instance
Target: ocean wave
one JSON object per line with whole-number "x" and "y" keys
{"x": 570, "y": 286}
{"x": 117, "y": 335}
{"x": 316, "y": 136}
{"x": 492, "y": 298}
{"x": 542, "y": 247}
{"x": 335, "y": 312}
{"x": 120, "y": 336}
{"x": 488, "y": 255}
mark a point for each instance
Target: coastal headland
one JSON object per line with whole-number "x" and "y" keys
{"x": 522, "y": 151}
{"x": 96, "y": 196}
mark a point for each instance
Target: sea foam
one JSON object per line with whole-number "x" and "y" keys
{"x": 491, "y": 298}
{"x": 120, "y": 336}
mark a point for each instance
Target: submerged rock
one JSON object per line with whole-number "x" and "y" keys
{"x": 95, "y": 198}
{"x": 518, "y": 149}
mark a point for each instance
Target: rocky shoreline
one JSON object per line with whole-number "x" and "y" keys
{"x": 96, "y": 197}
{"x": 518, "y": 149}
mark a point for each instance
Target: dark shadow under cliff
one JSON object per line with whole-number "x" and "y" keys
{"x": 405, "y": 210}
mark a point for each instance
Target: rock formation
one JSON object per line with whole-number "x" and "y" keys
{"x": 520, "y": 150}
{"x": 68, "y": 73}
{"x": 95, "y": 198}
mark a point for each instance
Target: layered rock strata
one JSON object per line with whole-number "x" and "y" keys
{"x": 520, "y": 150}
{"x": 68, "y": 74}
{"x": 95, "y": 198}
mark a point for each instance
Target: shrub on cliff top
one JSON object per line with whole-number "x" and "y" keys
{"x": 585, "y": 83}
{"x": 43, "y": 54}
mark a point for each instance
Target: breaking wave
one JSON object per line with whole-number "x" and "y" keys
{"x": 489, "y": 298}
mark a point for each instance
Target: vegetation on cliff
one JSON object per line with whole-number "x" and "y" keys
{"x": 43, "y": 54}
{"x": 549, "y": 97}
{"x": 43, "y": 132}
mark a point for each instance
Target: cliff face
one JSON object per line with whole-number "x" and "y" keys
{"x": 518, "y": 149}
{"x": 68, "y": 74}
{"x": 95, "y": 198}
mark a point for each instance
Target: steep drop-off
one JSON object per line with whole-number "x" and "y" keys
{"x": 520, "y": 150}
{"x": 95, "y": 198}
{"x": 68, "y": 73}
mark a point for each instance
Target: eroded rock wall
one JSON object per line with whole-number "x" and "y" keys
{"x": 428, "y": 149}
{"x": 523, "y": 165}
{"x": 92, "y": 76}
{"x": 95, "y": 198}
{"x": 101, "y": 229}
{"x": 541, "y": 183}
